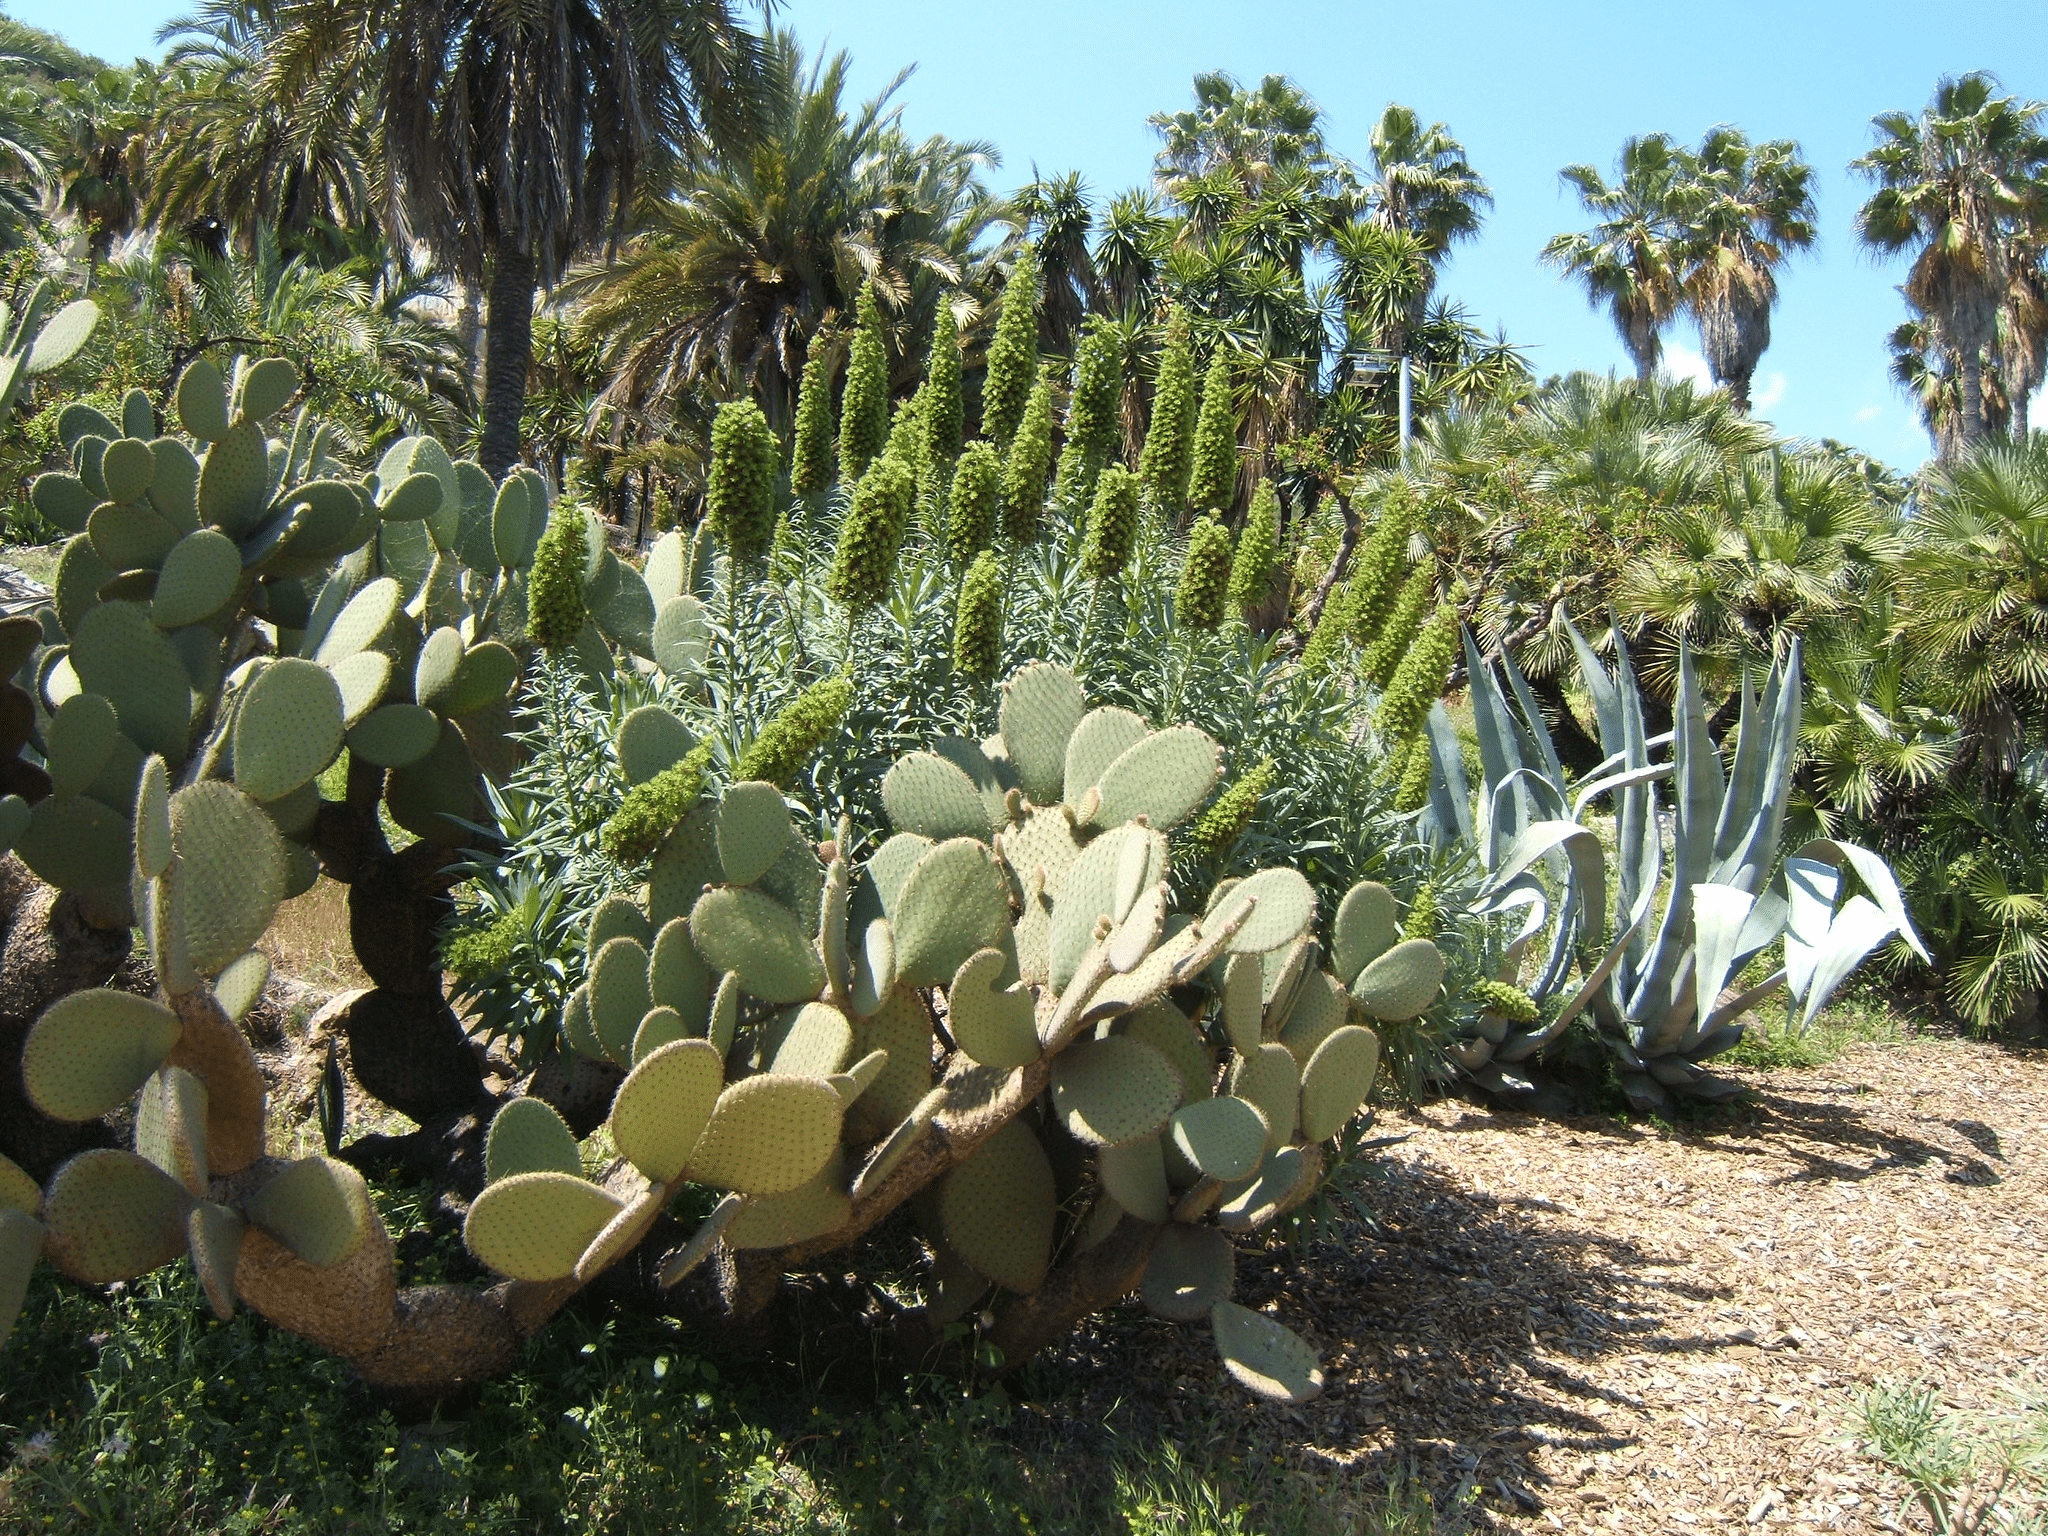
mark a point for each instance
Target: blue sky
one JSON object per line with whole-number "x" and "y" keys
{"x": 1528, "y": 88}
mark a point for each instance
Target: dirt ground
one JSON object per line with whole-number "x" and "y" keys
{"x": 1598, "y": 1326}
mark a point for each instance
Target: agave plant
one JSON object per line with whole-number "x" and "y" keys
{"x": 1665, "y": 990}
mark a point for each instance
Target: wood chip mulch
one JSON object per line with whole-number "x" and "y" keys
{"x": 1592, "y": 1325}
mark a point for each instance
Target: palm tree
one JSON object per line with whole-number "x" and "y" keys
{"x": 2023, "y": 338}
{"x": 1960, "y": 187}
{"x": 760, "y": 248}
{"x": 1422, "y": 182}
{"x": 101, "y": 164}
{"x": 517, "y": 136}
{"x": 1918, "y": 368}
{"x": 1245, "y": 136}
{"x": 1058, "y": 217}
{"x": 1629, "y": 260}
{"x": 1743, "y": 208}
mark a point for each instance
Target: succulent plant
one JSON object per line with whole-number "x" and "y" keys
{"x": 1403, "y": 622}
{"x": 1225, "y": 821}
{"x": 1012, "y": 355}
{"x": 739, "y": 491}
{"x": 1112, "y": 525}
{"x": 872, "y": 535}
{"x": 34, "y": 342}
{"x": 1660, "y": 989}
{"x": 1418, "y": 680}
{"x": 1028, "y": 464}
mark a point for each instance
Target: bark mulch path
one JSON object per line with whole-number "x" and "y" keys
{"x": 1602, "y": 1326}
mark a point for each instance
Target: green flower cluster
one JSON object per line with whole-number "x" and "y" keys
{"x": 810, "y": 460}
{"x": 792, "y": 738}
{"x": 1092, "y": 413}
{"x": 1112, "y": 524}
{"x": 1403, "y": 622}
{"x": 1220, "y": 826}
{"x": 1411, "y": 791}
{"x": 865, "y": 561}
{"x": 1418, "y": 681}
{"x": 1204, "y": 576}
{"x": 1029, "y": 463}
{"x": 1258, "y": 551}
{"x": 1164, "y": 464}
{"x": 1212, "y": 475}
{"x": 1507, "y": 1001}
{"x": 477, "y": 954}
{"x": 944, "y": 413}
{"x": 555, "y": 609}
{"x": 1012, "y": 352}
{"x": 739, "y": 491}
{"x": 978, "y": 622}
{"x": 655, "y": 808}
{"x": 1424, "y": 909}
{"x": 864, "y": 411}
{"x": 975, "y": 501}
{"x": 1376, "y": 572}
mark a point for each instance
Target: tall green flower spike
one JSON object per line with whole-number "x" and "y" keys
{"x": 1112, "y": 525}
{"x": 864, "y": 411}
{"x": 943, "y": 413}
{"x": 1212, "y": 479}
{"x": 1204, "y": 576}
{"x": 978, "y": 623}
{"x": 1030, "y": 461}
{"x": 1168, "y": 455}
{"x": 810, "y": 460}
{"x": 1012, "y": 353}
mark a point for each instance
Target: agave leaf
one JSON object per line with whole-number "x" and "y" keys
{"x": 1590, "y": 790}
{"x": 1812, "y": 889}
{"x": 1448, "y": 817}
{"x": 1877, "y": 879}
{"x": 1719, "y": 912}
{"x": 1536, "y": 740}
{"x": 1588, "y": 863}
{"x": 1858, "y": 928}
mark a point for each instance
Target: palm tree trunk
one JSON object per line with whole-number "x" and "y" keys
{"x": 1738, "y": 392}
{"x": 1973, "y": 398}
{"x": 508, "y": 352}
{"x": 2020, "y": 405}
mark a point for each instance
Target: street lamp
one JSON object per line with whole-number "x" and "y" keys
{"x": 1378, "y": 365}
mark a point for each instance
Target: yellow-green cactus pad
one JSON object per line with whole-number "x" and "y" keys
{"x": 1041, "y": 706}
{"x": 1368, "y": 924}
{"x": 901, "y": 1026}
{"x": 78, "y": 741}
{"x": 1284, "y": 905}
{"x": 1161, "y": 779}
{"x": 318, "y": 1207}
{"x": 1402, "y": 983}
{"x": 112, "y": 1216}
{"x": 1337, "y": 1080}
{"x": 816, "y": 1207}
{"x": 619, "y": 996}
{"x": 1224, "y": 1137}
{"x": 527, "y": 1136}
{"x": 287, "y": 728}
{"x": 998, "y": 1209}
{"x": 753, "y": 831}
{"x": 231, "y": 871}
{"x": 1102, "y": 736}
{"x": 1266, "y": 1358}
{"x": 118, "y": 654}
{"x": 21, "y": 1244}
{"x": 703, "y": 1240}
{"x": 1281, "y": 1182}
{"x": 90, "y": 1052}
{"x": 1109, "y": 1092}
{"x": 816, "y": 1041}
{"x": 213, "y": 1233}
{"x": 199, "y": 578}
{"x": 1135, "y": 1176}
{"x": 1173, "y": 1035}
{"x": 18, "y": 1192}
{"x": 535, "y": 1226}
{"x": 1321, "y": 1007}
{"x": 759, "y": 940}
{"x": 664, "y": 1106}
{"x": 677, "y": 976}
{"x": 651, "y": 739}
{"x": 953, "y": 902}
{"x": 929, "y": 796}
{"x": 994, "y": 1024}
{"x": 1269, "y": 1078}
{"x": 768, "y": 1135}
{"x": 170, "y": 1126}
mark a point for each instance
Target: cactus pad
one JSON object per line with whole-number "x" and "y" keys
{"x": 170, "y": 1126}
{"x": 395, "y": 735}
{"x": 953, "y": 902}
{"x": 234, "y": 480}
{"x": 998, "y": 1209}
{"x": 127, "y": 467}
{"x": 287, "y": 729}
{"x": 1286, "y": 906}
{"x": 676, "y": 974}
{"x": 619, "y": 996}
{"x": 1402, "y": 983}
{"x": 753, "y": 830}
{"x": 651, "y": 739}
{"x": 318, "y": 1207}
{"x": 993, "y": 1024}
{"x": 1173, "y": 1035}
{"x": 362, "y": 679}
{"x": 1244, "y": 1003}
{"x": 214, "y": 1235}
{"x": 1224, "y": 1137}
{"x": 120, "y": 655}
{"x": 902, "y": 1027}
{"x": 1043, "y": 840}
{"x": 679, "y": 635}
{"x": 1190, "y": 1270}
{"x": 1368, "y": 923}
{"x": 818, "y": 1206}
{"x": 231, "y": 871}
{"x": 984, "y": 775}
{"x": 90, "y": 1052}
{"x": 1281, "y": 1182}
{"x": 1269, "y": 1078}
{"x": 363, "y": 623}
{"x": 1337, "y": 1079}
{"x": 198, "y": 579}
{"x": 1041, "y": 706}
{"x": 241, "y": 984}
{"x": 202, "y": 401}
{"x": 925, "y": 794}
{"x": 759, "y": 940}
{"x": 1135, "y": 1176}
{"x": 723, "y": 1019}
{"x": 703, "y": 1240}
{"x": 616, "y": 917}
{"x": 1161, "y": 779}
{"x": 18, "y": 1192}
{"x": 527, "y": 1136}
{"x": 433, "y": 796}
{"x": 577, "y": 1032}
{"x": 1091, "y": 890}
{"x": 686, "y": 862}
{"x": 1109, "y": 1092}
{"x": 535, "y": 1226}
{"x": 1102, "y": 736}
{"x": 78, "y": 741}
{"x": 663, "y": 1106}
{"x": 265, "y": 386}
{"x": 1321, "y": 1006}
{"x": 1266, "y": 1358}
{"x": 816, "y": 1042}
{"x": 768, "y": 1135}
{"x": 112, "y": 1216}
{"x": 661, "y": 1026}
{"x": 21, "y": 1244}
{"x": 486, "y": 675}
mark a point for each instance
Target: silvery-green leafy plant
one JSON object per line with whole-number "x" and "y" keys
{"x": 1694, "y": 823}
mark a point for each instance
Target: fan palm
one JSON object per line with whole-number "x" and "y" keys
{"x": 1057, "y": 213}
{"x": 1243, "y": 136}
{"x": 1960, "y": 186}
{"x": 1422, "y": 182}
{"x": 101, "y": 162}
{"x": 1743, "y": 208}
{"x": 1629, "y": 261}
{"x": 517, "y": 136}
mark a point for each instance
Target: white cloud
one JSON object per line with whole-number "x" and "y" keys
{"x": 1870, "y": 413}
{"x": 1681, "y": 364}
{"x": 1770, "y": 394}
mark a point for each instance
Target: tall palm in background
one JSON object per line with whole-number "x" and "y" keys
{"x": 1743, "y": 208}
{"x": 101, "y": 165}
{"x": 518, "y": 136}
{"x": 1242, "y": 136}
{"x": 1629, "y": 261}
{"x": 1960, "y": 187}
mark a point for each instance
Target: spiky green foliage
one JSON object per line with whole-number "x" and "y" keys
{"x": 1507, "y": 1000}
{"x": 1212, "y": 473}
{"x": 1411, "y": 791}
{"x": 739, "y": 491}
{"x": 1091, "y": 413}
{"x": 475, "y": 954}
{"x": 1112, "y": 524}
{"x": 865, "y": 561}
{"x": 810, "y": 459}
{"x": 974, "y": 502}
{"x": 1030, "y": 461}
{"x": 652, "y": 810}
{"x": 1403, "y": 622}
{"x": 1168, "y": 455}
{"x": 943, "y": 411}
{"x": 1258, "y": 551}
{"x": 1419, "y": 680}
{"x": 978, "y": 622}
{"x": 792, "y": 738}
{"x": 1012, "y": 354}
{"x": 1224, "y": 822}
{"x": 555, "y": 610}
{"x": 864, "y": 409}
{"x": 1198, "y": 601}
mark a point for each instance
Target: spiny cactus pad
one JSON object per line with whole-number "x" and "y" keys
{"x": 1041, "y": 706}
{"x": 760, "y": 941}
{"x": 1190, "y": 1270}
{"x": 953, "y": 903}
{"x": 527, "y": 1136}
{"x": 1284, "y": 1179}
{"x": 18, "y": 1192}
{"x": 1266, "y": 1358}
{"x": 992, "y": 1023}
{"x": 90, "y": 1052}
{"x": 998, "y": 1209}
{"x": 535, "y": 1226}
{"x": 287, "y": 728}
{"x": 753, "y": 830}
{"x": 676, "y": 974}
{"x": 170, "y": 1126}
{"x": 1244, "y": 1007}
{"x": 619, "y": 997}
{"x": 1321, "y": 1006}
{"x": 1102, "y": 736}
{"x": 1271, "y": 1081}
{"x": 1402, "y": 983}
{"x": 78, "y": 742}
{"x": 1368, "y": 923}
{"x": 649, "y": 740}
{"x": 1162, "y": 779}
{"x": 231, "y": 871}
{"x": 811, "y": 1210}
{"x": 120, "y": 655}
{"x": 661, "y": 1026}
{"x": 817, "y": 1041}
{"x": 1224, "y": 1137}
{"x": 903, "y": 1027}
{"x": 1109, "y": 1092}
{"x": 1286, "y": 906}
{"x": 153, "y": 846}
{"x": 617, "y": 917}
{"x": 925, "y": 794}
{"x": 1337, "y": 1079}
{"x": 318, "y": 1207}
{"x": 112, "y": 1216}
{"x": 1173, "y": 1035}
{"x": 703, "y": 1240}
{"x": 21, "y": 1244}
{"x": 1043, "y": 840}
{"x": 768, "y": 1135}
{"x": 213, "y": 1235}
{"x": 1135, "y": 1176}
{"x": 198, "y": 579}
{"x": 241, "y": 984}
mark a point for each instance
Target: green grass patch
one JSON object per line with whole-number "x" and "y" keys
{"x": 1861, "y": 1014}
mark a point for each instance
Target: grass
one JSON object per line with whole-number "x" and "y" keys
{"x": 38, "y": 562}
{"x": 1863, "y": 1013}
{"x": 309, "y": 940}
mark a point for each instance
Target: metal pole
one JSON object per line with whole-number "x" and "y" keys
{"x": 1406, "y": 428}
